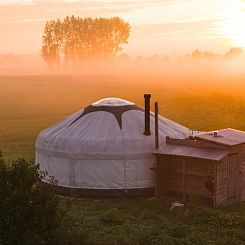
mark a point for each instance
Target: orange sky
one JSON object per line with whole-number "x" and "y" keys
{"x": 158, "y": 26}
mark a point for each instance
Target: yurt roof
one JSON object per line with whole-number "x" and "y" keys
{"x": 116, "y": 106}
{"x": 109, "y": 125}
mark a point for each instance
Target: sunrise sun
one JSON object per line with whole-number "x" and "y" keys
{"x": 233, "y": 25}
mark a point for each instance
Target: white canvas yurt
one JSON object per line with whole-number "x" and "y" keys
{"x": 102, "y": 150}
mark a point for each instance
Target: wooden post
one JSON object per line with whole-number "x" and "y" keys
{"x": 156, "y": 126}
{"x": 228, "y": 181}
{"x": 215, "y": 184}
{"x": 240, "y": 173}
{"x": 157, "y": 178}
{"x": 184, "y": 180}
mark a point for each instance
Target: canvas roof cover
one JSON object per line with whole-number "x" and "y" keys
{"x": 103, "y": 146}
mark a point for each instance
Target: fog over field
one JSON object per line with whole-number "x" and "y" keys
{"x": 232, "y": 61}
{"x": 200, "y": 93}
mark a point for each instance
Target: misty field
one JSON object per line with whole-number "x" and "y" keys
{"x": 32, "y": 103}
{"x": 198, "y": 101}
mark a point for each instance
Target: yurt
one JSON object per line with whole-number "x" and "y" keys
{"x": 104, "y": 150}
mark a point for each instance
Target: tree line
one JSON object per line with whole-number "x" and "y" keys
{"x": 75, "y": 39}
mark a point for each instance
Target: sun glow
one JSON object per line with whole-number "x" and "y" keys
{"x": 233, "y": 25}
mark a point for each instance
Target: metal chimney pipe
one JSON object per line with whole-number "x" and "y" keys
{"x": 147, "y": 114}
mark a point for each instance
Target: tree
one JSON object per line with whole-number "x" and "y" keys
{"x": 76, "y": 39}
{"x": 233, "y": 52}
{"x": 205, "y": 55}
{"x": 52, "y": 42}
{"x": 29, "y": 211}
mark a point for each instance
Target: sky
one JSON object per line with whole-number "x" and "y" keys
{"x": 159, "y": 27}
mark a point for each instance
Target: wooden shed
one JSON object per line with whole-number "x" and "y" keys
{"x": 206, "y": 169}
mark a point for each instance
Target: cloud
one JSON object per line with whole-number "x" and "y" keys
{"x": 44, "y": 9}
{"x": 173, "y": 28}
{"x": 152, "y": 21}
{"x": 38, "y": 10}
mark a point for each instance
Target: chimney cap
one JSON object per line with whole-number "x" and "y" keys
{"x": 147, "y": 95}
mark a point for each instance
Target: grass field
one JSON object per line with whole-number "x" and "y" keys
{"x": 143, "y": 222}
{"x": 205, "y": 102}
{"x": 32, "y": 103}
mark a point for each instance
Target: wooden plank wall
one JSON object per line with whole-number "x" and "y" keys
{"x": 234, "y": 175}
{"x": 222, "y": 183}
{"x": 162, "y": 176}
{"x": 198, "y": 173}
{"x": 242, "y": 179}
{"x": 230, "y": 179}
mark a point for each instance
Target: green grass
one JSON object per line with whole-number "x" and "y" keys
{"x": 145, "y": 221}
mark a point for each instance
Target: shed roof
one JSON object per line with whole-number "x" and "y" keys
{"x": 227, "y": 136}
{"x": 194, "y": 152}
